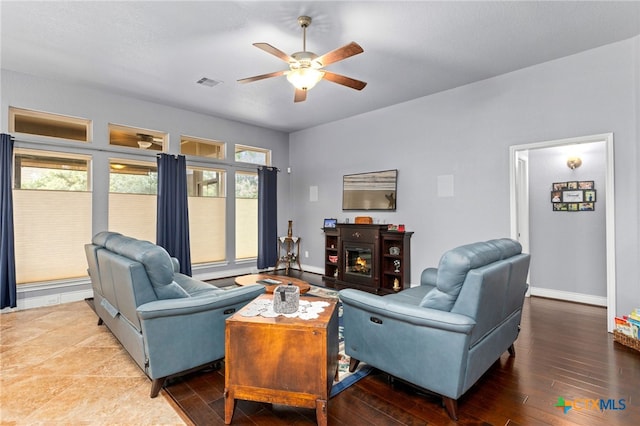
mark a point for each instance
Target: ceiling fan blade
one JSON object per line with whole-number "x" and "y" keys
{"x": 300, "y": 96}
{"x": 345, "y": 81}
{"x": 340, "y": 53}
{"x": 274, "y": 51}
{"x": 262, "y": 76}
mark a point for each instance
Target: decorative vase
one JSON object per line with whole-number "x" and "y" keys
{"x": 396, "y": 284}
{"x": 290, "y": 229}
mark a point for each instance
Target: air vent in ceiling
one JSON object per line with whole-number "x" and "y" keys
{"x": 208, "y": 82}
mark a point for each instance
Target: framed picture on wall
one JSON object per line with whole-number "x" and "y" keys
{"x": 574, "y": 196}
{"x": 559, "y": 186}
{"x": 586, "y": 207}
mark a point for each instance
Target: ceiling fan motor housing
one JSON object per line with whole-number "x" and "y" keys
{"x": 305, "y": 60}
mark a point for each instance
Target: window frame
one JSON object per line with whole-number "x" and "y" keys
{"x": 209, "y": 142}
{"x": 56, "y": 119}
{"x": 240, "y": 147}
{"x": 133, "y": 131}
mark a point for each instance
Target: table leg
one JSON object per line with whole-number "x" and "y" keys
{"x": 229, "y": 406}
{"x": 321, "y": 412}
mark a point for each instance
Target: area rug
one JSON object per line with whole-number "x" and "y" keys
{"x": 345, "y": 377}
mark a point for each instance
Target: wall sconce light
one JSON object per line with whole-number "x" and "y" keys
{"x": 574, "y": 162}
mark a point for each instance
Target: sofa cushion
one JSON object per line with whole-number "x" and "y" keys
{"x": 195, "y": 287}
{"x": 452, "y": 271}
{"x": 170, "y": 291}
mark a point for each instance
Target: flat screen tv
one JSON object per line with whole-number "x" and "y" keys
{"x": 370, "y": 191}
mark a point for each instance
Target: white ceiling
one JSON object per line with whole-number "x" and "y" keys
{"x": 158, "y": 50}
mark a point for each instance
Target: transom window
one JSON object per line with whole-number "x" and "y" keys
{"x": 208, "y": 148}
{"x": 133, "y": 137}
{"x": 48, "y": 124}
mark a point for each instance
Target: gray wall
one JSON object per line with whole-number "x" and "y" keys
{"x": 568, "y": 248}
{"x": 24, "y": 91}
{"x": 466, "y": 132}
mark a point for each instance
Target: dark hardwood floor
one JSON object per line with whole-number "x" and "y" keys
{"x": 563, "y": 351}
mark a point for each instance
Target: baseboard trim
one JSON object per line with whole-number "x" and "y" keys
{"x": 568, "y": 296}
{"x": 52, "y": 299}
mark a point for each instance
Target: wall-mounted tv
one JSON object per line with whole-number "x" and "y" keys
{"x": 370, "y": 191}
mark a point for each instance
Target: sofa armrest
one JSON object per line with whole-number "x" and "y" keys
{"x": 426, "y": 317}
{"x": 429, "y": 276}
{"x": 205, "y": 302}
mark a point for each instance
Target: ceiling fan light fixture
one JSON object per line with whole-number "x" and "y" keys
{"x": 304, "y": 78}
{"x": 144, "y": 144}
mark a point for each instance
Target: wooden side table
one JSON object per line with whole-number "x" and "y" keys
{"x": 281, "y": 360}
{"x": 291, "y": 248}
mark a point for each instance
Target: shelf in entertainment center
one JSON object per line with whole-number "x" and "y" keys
{"x": 375, "y": 242}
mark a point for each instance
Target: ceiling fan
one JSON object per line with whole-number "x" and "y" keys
{"x": 135, "y": 140}
{"x": 306, "y": 68}
{"x": 145, "y": 141}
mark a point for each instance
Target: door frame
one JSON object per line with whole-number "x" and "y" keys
{"x": 517, "y": 153}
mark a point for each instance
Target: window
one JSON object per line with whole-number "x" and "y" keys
{"x": 201, "y": 147}
{"x": 133, "y": 186}
{"x": 207, "y": 214}
{"x": 246, "y": 215}
{"x": 132, "y": 137}
{"x": 47, "y": 124}
{"x": 250, "y": 154}
{"x": 52, "y": 215}
{"x": 247, "y": 200}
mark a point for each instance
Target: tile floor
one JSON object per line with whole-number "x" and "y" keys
{"x": 57, "y": 366}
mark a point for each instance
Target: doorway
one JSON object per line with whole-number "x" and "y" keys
{"x": 519, "y": 198}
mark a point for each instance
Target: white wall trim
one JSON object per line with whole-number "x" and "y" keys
{"x": 610, "y": 222}
{"x": 569, "y": 296}
{"x": 313, "y": 269}
{"x": 50, "y": 299}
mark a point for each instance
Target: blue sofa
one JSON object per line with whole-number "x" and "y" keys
{"x": 169, "y": 323}
{"x": 444, "y": 334}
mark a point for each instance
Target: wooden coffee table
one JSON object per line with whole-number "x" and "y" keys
{"x": 281, "y": 360}
{"x": 282, "y": 279}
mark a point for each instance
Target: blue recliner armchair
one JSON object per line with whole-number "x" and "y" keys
{"x": 444, "y": 334}
{"x": 169, "y": 323}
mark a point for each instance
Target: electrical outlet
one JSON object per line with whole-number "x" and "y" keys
{"x": 306, "y": 253}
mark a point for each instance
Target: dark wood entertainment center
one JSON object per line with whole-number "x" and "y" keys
{"x": 367, "y": 257}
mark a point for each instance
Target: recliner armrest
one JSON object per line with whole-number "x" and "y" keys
{"x": 206, "y": 302}
{"x": 426, "y": 317}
